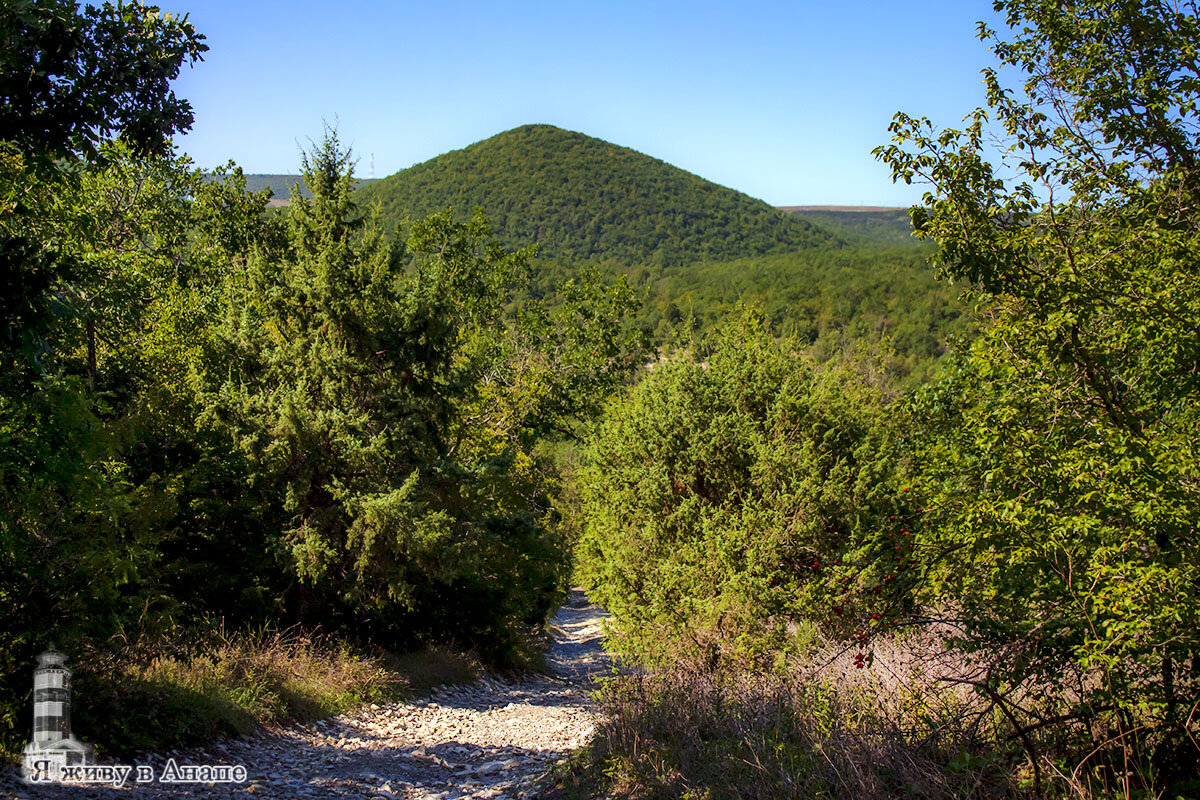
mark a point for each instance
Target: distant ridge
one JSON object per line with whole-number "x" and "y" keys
{"x": 281, "y": 185}
{"x": 873, "y": 225}
{"x": 842, "y": 208}
{"x": 583, "y": 199}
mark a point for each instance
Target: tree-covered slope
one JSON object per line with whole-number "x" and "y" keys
{"x": 832, "y": 299}
{"x": 580, "y": 198}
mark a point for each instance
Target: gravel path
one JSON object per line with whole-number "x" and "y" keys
{"x": 492, "y": 739}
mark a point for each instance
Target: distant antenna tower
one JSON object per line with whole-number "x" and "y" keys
{"x": 371, "y": 174}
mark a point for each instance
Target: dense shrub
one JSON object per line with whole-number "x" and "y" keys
{"x": 721, "y": 490}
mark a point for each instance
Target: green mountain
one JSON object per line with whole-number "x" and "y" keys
{"x": 582, "y": 199}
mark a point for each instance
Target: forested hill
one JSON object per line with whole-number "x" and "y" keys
{"x": 581, "y": 198}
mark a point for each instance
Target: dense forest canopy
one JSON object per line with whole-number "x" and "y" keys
{"x": 834, "y": 301}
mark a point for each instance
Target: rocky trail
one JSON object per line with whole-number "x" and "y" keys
{"x": 494, "y": 738}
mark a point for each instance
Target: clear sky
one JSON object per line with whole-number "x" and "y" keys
{"x": 781, "y": 100}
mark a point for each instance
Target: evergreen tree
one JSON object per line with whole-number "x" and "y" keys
{"x": 392, "y": 403}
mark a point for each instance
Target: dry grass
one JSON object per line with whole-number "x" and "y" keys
{"x": 909, "y": 724}
{"x": 145, "y": 697}
{"x": 820, "y": 728}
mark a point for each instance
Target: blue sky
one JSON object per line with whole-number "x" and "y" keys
{"x": 783, "y": 101}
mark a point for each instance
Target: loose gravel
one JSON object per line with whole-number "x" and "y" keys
{"x": 494, "y": 738}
